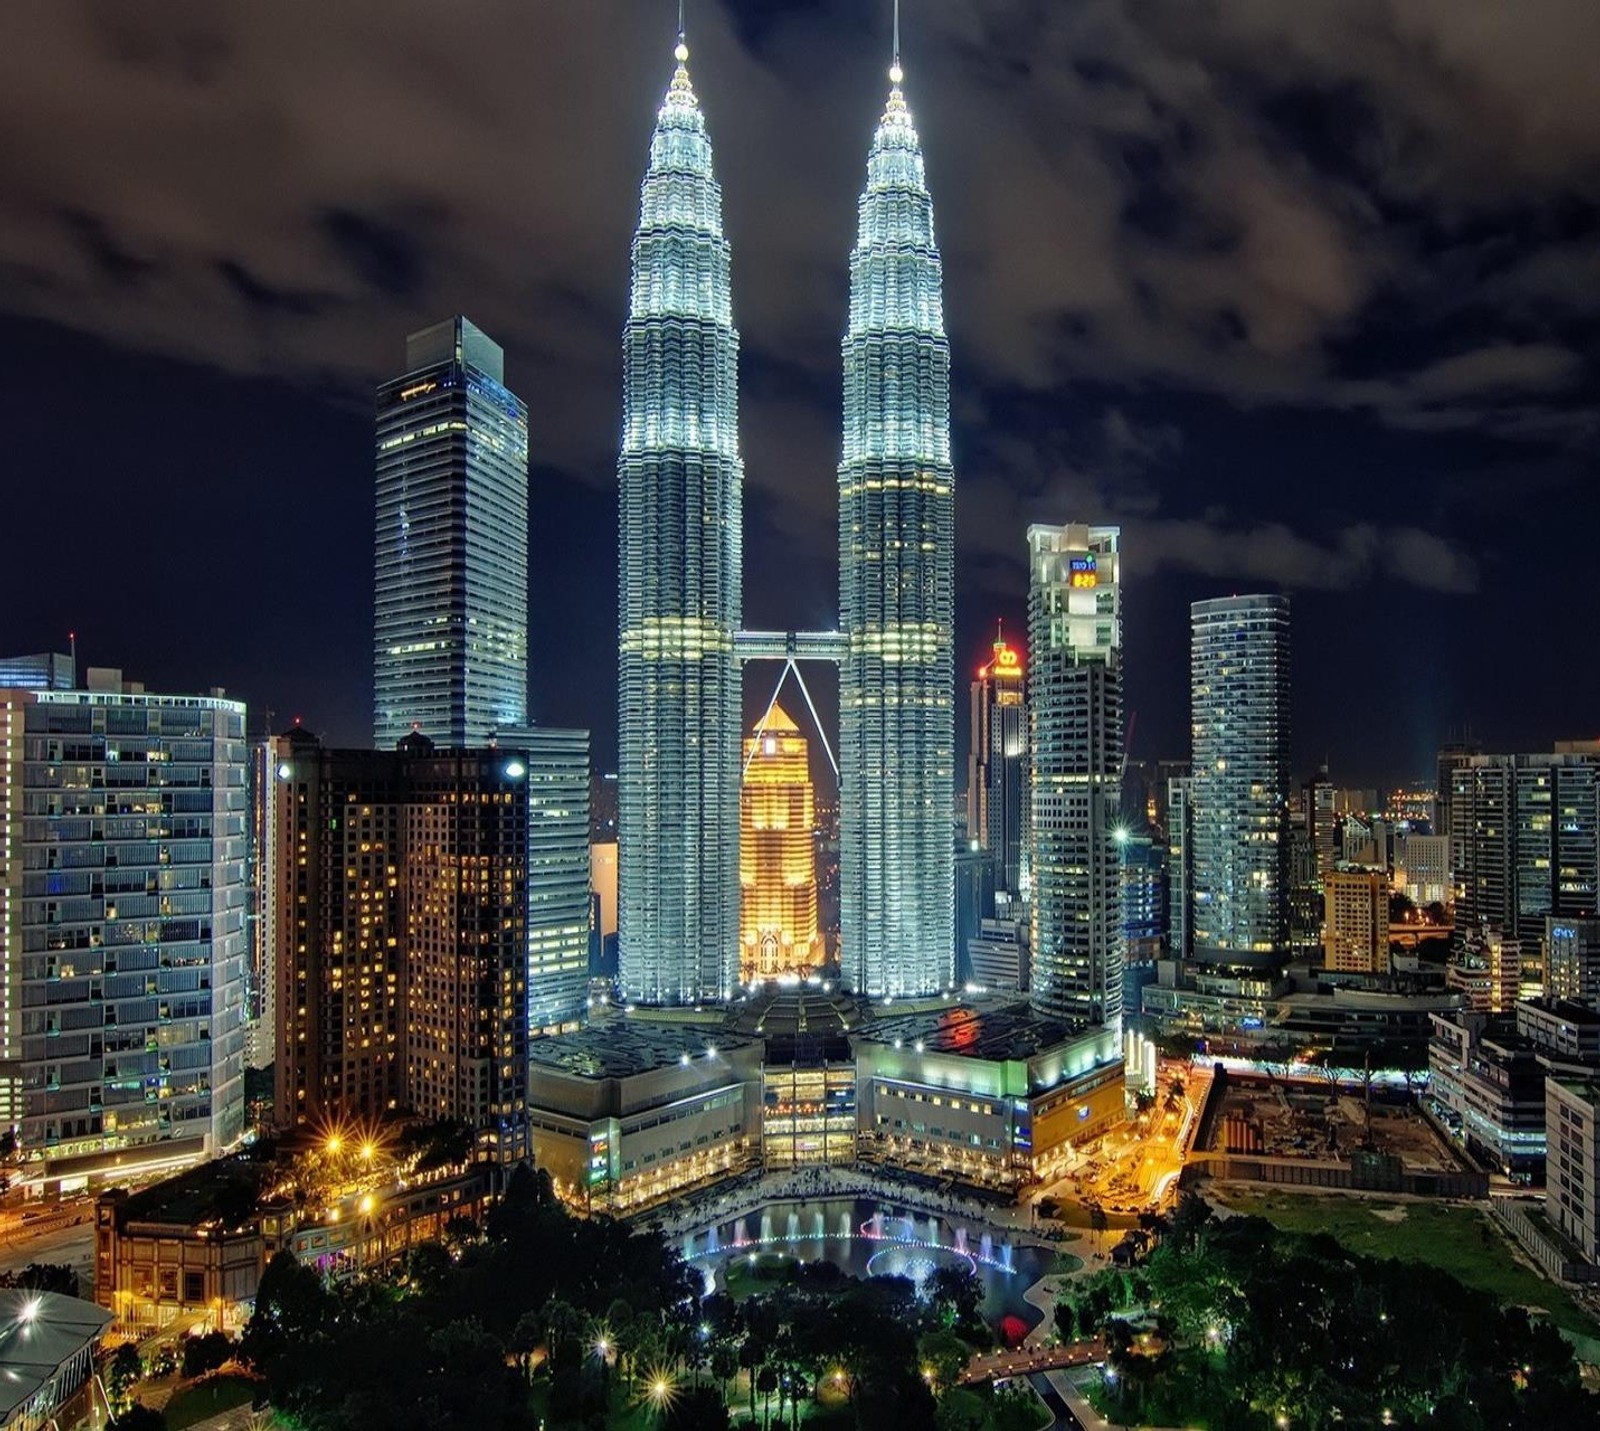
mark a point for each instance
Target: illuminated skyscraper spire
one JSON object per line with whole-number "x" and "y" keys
{"x": 679, "y": 588}
{"x": 896, "y": 575}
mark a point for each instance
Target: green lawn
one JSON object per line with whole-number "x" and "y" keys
{"x": 1457, "y": 1239}
{"x": 208, "y": 1398}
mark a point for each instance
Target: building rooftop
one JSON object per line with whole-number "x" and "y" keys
{"x": 997, "y": 1033}
{"x": 226, "y": 1189}
{"x": 40, "y": 1332}
{"x": 625, "y": 1047}
{"x": 800, "y": 1021}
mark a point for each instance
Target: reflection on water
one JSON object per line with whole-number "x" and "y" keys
{"x": 868, "y": 1238}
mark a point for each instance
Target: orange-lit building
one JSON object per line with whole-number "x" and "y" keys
{"x": 777, "y": 859}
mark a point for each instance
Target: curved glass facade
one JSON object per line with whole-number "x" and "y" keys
{"x": 680, "y": 483}
{"x": 897, "y": 587}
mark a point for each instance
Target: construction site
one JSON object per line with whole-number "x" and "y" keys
{"x": 1319, "y": 1134}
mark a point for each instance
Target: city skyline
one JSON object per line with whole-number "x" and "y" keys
{"x": 1445, "y": 411}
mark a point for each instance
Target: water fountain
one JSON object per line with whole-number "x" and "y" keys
{"x": 713, "y": 1242}
{"x": 792, "y": 1233}
{"x": 818, "y": 1227}
{"x": 961, "y": 1240}
{"x": 688, "y": 1247}
{"x": 1005, "y": 1258}
{"x": 986, "y": 1248}
{"x": 933, "y": 1230}
{"x": 844, "y": 1225}
{"x": 766, "y": 1227}
{"x": 875, "y": 1224}
{"x": 742, "y": 1232}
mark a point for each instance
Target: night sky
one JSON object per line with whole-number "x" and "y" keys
{"x": 1303, "y": 295}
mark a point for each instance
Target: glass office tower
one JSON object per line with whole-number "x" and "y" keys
{"x": 1075, "y": 794}
{"x": 896, "y": 587}
{"x": 1239, "y": 789}
{"x": 450, "y": 646}
{"x": 122, "y": 909}
{"x": 680, "y": 486}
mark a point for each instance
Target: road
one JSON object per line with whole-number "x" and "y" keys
{"x": 73, "y": 1245}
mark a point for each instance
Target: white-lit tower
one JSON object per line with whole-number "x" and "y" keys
{"x": 1075, "y": 796}
{"x": 897, "y": 586}
{"x": 679, "y": 595}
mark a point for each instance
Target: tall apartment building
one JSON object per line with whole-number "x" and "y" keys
{"x": 1525, "y": 840}
{"x": 336, "y": 847}
{"x": 777, "y": 853}
{"x": 1355, "y": 926}
{"x": 1075, "y": 713}
{"x": 122, "y": 909}
{"x": 997, "y": 766}
{"x": 1239, "y": 689}
{"x": 433, "y": 917}
{"x": 450, "y": 643}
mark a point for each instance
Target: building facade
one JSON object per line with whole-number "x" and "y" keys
{"x": 123, "y": 825}
{"x": 897, "y": 586}
{"x": 777, "y": 853}
{"x": 1075, "y": 793}
{"x": 560, "y": 873}
{"x": 1572, "y": 959}
{"x": 1239, "y": 698}
{"x": 450, "y": 641}
{"x": 433, "y": 918}
{"x": 680, "y": 483}
{"x": 1525, "y": 840}
{"x": 997, "y": 771}
{"x": 1355, "y": 924}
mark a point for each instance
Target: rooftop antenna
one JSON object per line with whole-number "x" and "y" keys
{"x": 896, "y": 74}
{"x": 681, "y": 54}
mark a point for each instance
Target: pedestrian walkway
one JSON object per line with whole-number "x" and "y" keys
{"x": 1025, "y": 1361}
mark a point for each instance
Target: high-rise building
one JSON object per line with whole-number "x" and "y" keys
{"x": 1355, "y": 926}
{"x": 560, "y": 872}
{"x": 1075, "y": 795}
{"x": 1239, "y": 691}
{"x": 997, "y": 765}
{"x": 1180, "y": 868}
{"x": 1422, "y": 867}
{"x": 1572, "y": 960}
{"x": 260, "y": 985}
{"x": 336, "y": 849}
{"x": 123, "y": 824}
{"x": 1321, "y": 823}
{"x": 777, "y": 853}
{"x": 466, "y": 887}
{"x": 897, "y": 586}
{"x": 49, "y": 671}
{"x": 450, "y": 644}
{"x": 1525, "y": 841}
{"x": 433, "y": 916}
{"x": 1452, "y": 754}
{"x": 680, "y": 480}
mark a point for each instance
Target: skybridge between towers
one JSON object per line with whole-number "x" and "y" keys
{"x": 792, "y": 647}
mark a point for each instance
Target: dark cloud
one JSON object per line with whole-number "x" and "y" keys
{"x": 1241, "y": 275}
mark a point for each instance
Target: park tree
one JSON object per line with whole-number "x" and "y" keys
{"x": 122, "y": 1371}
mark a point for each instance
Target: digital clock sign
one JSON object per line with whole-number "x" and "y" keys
{"x": 1084, "y": 571}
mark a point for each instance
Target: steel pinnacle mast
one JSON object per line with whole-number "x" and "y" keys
{"x": 679, "y": 582}
{"x": 897, "y": 585}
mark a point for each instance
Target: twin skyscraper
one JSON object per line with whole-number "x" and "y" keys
{"x": 680, "y": 588}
